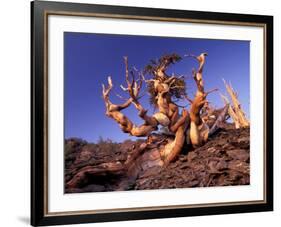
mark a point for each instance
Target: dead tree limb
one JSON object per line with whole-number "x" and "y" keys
{"x": 231, "y": 111}
{"x": 114, "y": 111}
{"x": 81, "y": 177}
{"x": 134, "y": 88}
{"x": 220, "y": 119}
{"x": 235, "y": 110}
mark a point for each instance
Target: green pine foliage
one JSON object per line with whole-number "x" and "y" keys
{"x": 178, "y": 89}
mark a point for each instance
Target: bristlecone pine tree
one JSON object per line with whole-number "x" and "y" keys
{"x": 187, "y": 126}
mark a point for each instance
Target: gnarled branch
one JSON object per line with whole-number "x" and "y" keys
{"x": 114, "y": 111}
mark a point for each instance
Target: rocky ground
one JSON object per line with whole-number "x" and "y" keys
{"x": 223, "y": 160}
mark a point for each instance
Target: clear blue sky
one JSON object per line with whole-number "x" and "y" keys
{"x": 90, "y": 58}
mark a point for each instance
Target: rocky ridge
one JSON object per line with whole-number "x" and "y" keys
{"x": 137, "y": 165}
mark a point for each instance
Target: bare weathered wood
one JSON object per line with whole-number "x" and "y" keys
{"x": 220, "y": 119}
{"x": 235, "y": 109}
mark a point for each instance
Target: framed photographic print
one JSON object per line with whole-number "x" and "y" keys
{"x": 142, "y": 113}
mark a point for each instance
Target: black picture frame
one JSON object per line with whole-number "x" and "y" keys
{"x": 39, "y": 12}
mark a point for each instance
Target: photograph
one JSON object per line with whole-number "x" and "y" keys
{"x": 154, "y": 112}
